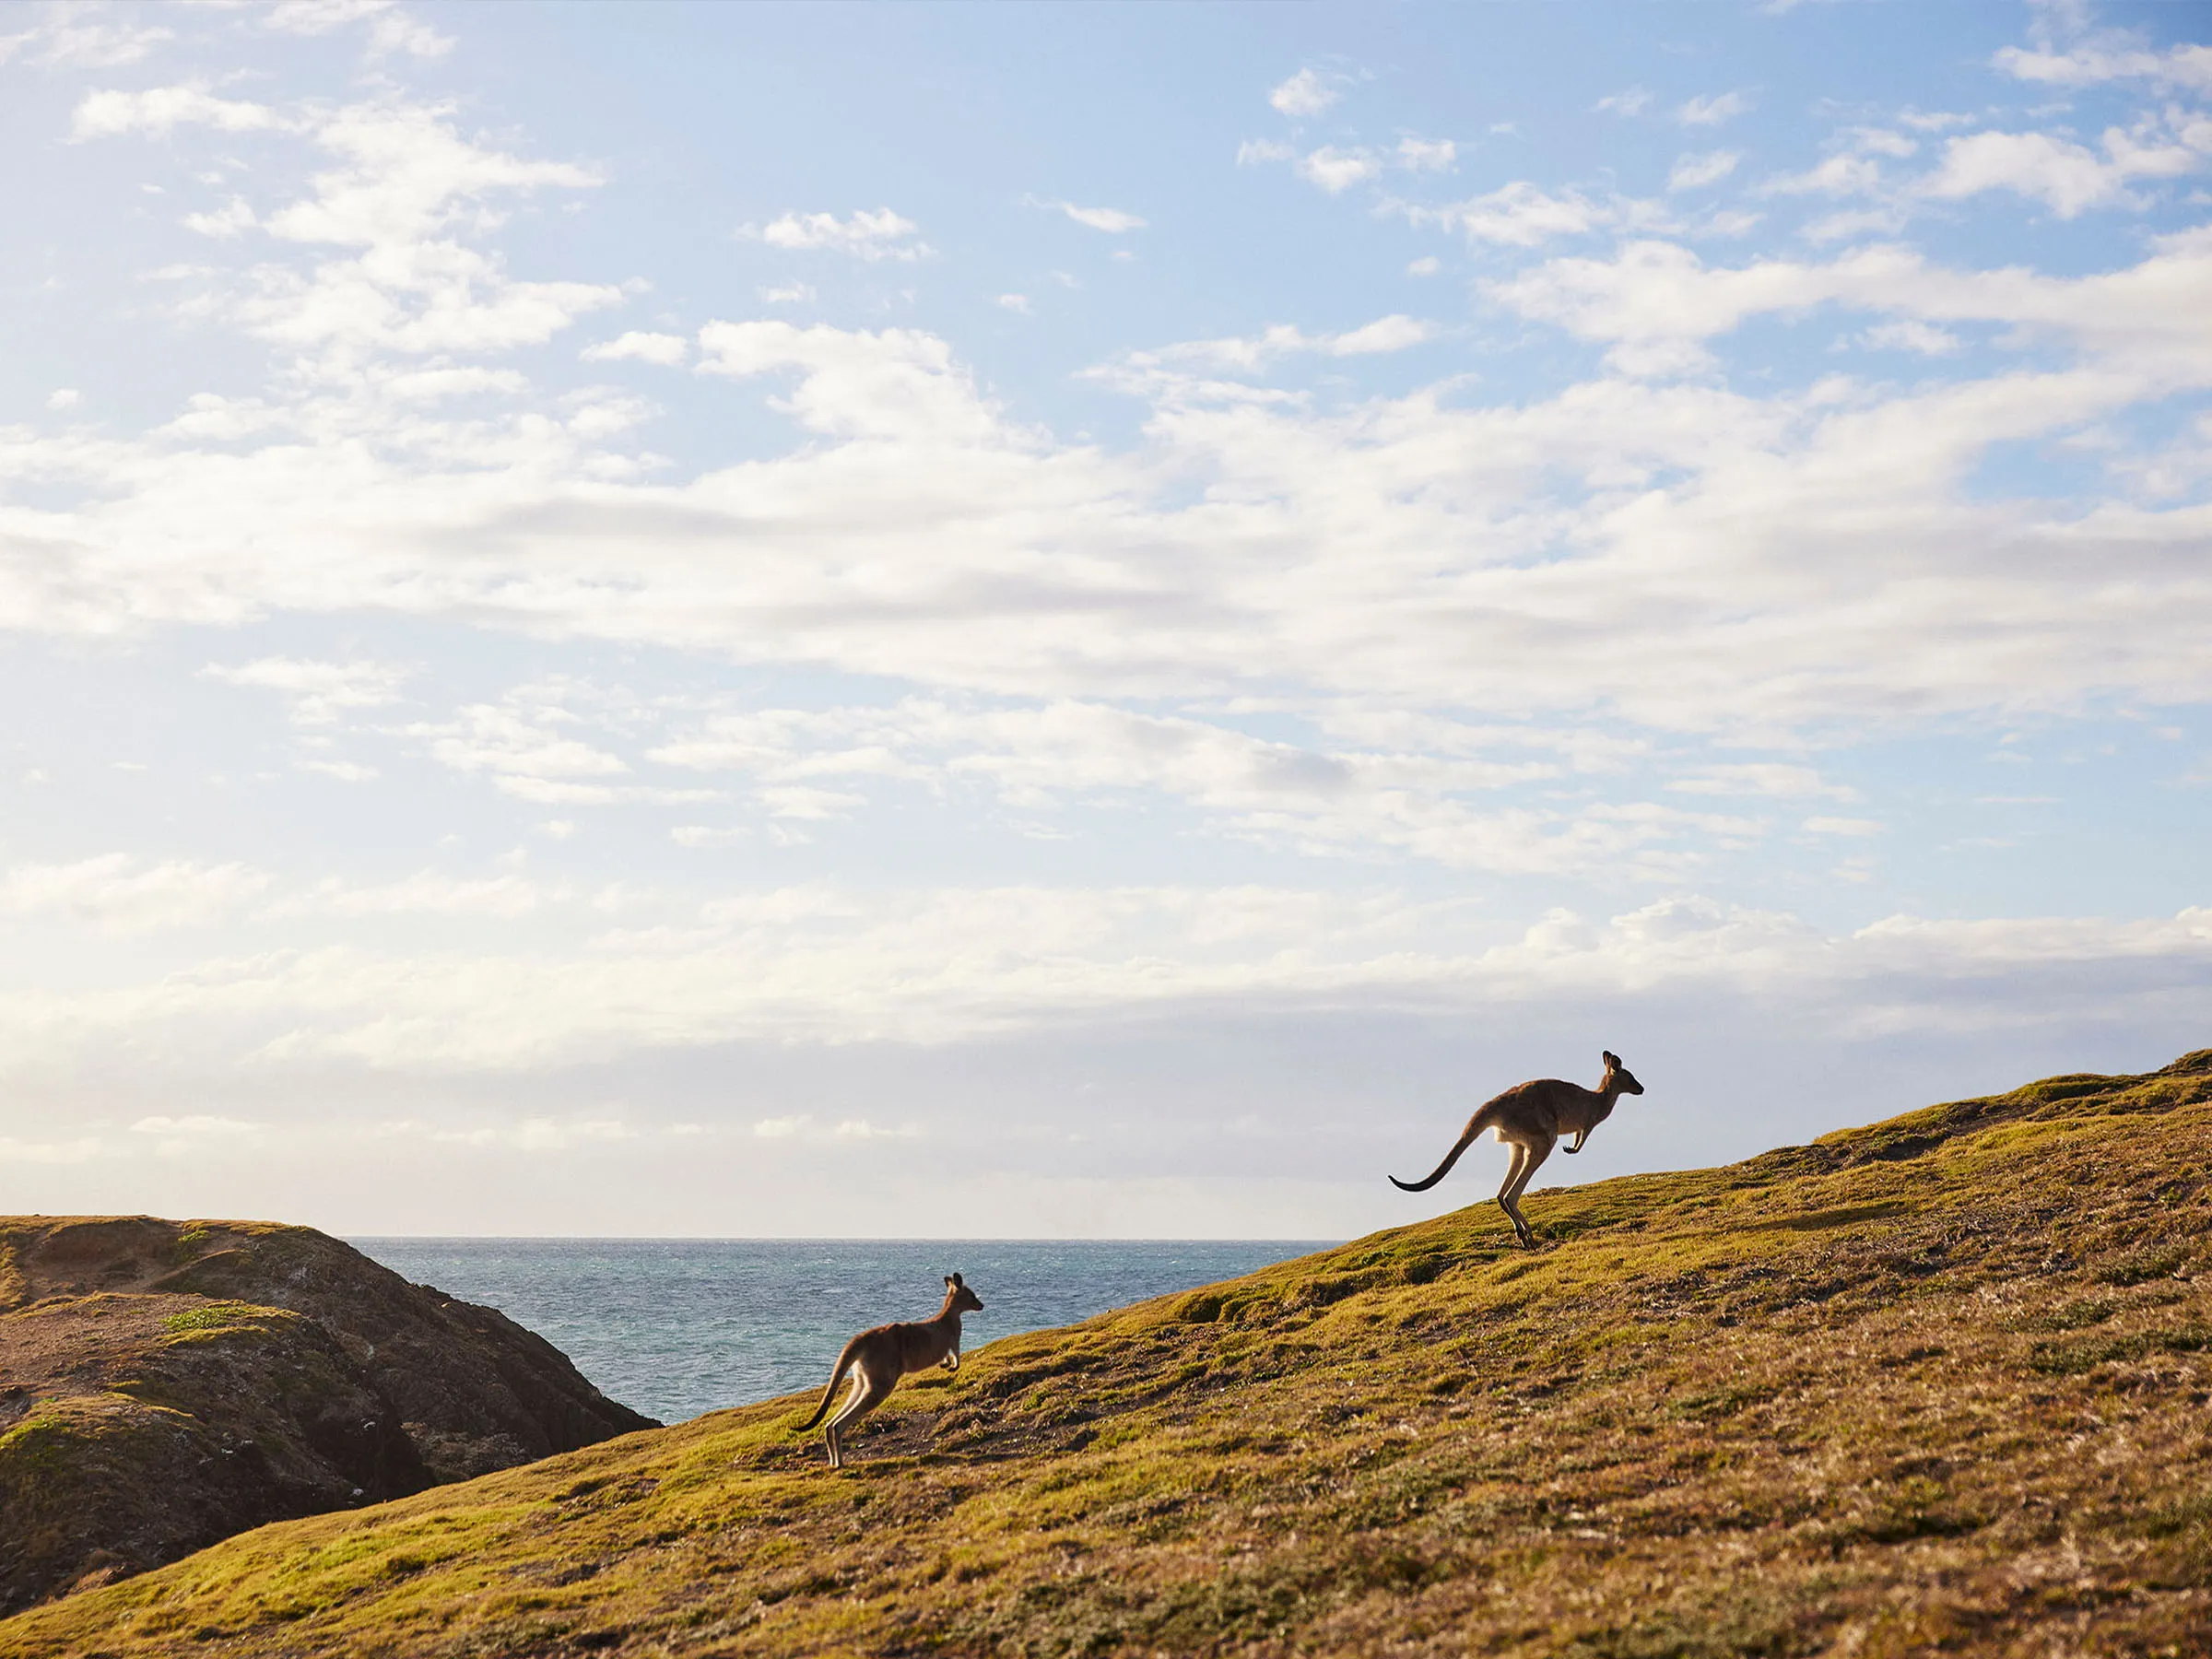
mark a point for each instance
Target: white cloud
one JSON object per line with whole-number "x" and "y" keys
{"x": 807, "y": 803}
{"x": 1854, "y": 225}
{"x": 1255, "y": 152}
{"x": 404, "y": 174}
{"x": 426, "y": 892}
{"x": 789, "y": 293}
{"x": 65, "y": 397}
{"x": 665, "y": 349}
{"x": 1304, "y": 93}
{"x": 1394, "y": 333}
{"x": 531, "y": 1134}
{"x": 318, "y": 16}
{"x": 1426, "y": 265}
{"x": 1402, "y": 548}
{"x": 801, "y": 1126}
{"x": 345, "y": 771}
{"x": 827, "y": 965}
{"x": 1694, "y": 172}
{"x": 1660, "y": 295}
{"x": 403, "y": 179}
{"x": 1881, "y": 141}
{"x": 881, "y": 234}
{"x": 2066, "y": 177}
{"x": 195, "y": 1124}
{"x": 1520, "y": 214}
{"x": 1319, "y": 799}
{"x": 899, "y": 382}
{"x": 1911, "y": 334}
{"x": 2095, "y": 62}
{"x": 163, "y": 109}
{"x": 1427, "y": 155}
{"x": 1335, "y": 172}
{"x": 524, "y": 746}
{"x": 119, "y": 893}
{"x": 1420, "y": 546}
{"x": 1633, "y": 101}
{"x": 233, "y": 217}
{"x": 1713, "y": 111}
{"x": 318, "y": 691}
{"x": 1018, "y": 303}
{"x": 1761, "y": 777}
{"x": 511, "y": 745}
{"x": 1111, "y": 220}
{"x": 73, "y": 37}
{"x": 390, "y": 27}
{"x": 1839, "y": 175}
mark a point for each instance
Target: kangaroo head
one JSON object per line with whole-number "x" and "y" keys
{"x": 1619, "y": 1076}
{"x": 958, "y": 1297}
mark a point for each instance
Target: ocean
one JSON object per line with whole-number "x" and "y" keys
{"x": 673, "y": 1327}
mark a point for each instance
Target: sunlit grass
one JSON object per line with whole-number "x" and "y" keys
{"x": 1936, "y": 1384}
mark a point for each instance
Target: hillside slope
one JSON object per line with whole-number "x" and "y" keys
{"x": 164, "y": 1384}
{"x": 1940, "y": 1384}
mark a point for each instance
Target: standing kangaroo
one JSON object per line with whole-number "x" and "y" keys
{"x": 877, "y": 1359}
{"x": 1530, "y": 1117}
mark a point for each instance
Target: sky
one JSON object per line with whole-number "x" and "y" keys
{"x": 1062, "y": 620}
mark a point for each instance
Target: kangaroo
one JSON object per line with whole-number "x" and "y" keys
{"x": 877, "y": 1359}
{"x": 1530, "y": 1117}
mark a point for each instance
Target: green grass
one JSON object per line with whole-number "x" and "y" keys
{"x": 217, "y": 1316}
{"x": 1938, "y": 1385}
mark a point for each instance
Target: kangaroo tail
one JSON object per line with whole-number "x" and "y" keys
{"x": 844, "y": 1364}
{"x": 1475, "y": 1125}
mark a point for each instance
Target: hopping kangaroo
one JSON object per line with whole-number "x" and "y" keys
{"x": 1530, "y": 1117}
{"x": 877, "y": 1359}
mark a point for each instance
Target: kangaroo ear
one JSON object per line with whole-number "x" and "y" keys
{"x": 1609, "y": 1057}
{"x": 957, "y": 1282}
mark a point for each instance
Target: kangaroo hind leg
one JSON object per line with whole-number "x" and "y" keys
{"x": 1505, "y": 1193}
{"x": 830, "y": 1435}
{"x": 1527, "y": 1160}
{"x": 869, "y": 1391}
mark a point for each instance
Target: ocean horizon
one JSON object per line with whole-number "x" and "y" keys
{"x": 674, "y": 1327}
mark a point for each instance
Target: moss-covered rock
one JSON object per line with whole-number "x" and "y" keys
{"x": 165, "y": 1385}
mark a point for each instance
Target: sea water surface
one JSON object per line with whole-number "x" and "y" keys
{"x": 674, "y": 1327}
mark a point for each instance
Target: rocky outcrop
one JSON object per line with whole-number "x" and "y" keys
{"x": 164, "y": 1384}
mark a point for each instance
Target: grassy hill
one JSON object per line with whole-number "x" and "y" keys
{"x": 1940, "y": 1385}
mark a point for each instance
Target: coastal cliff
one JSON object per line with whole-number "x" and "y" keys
{"x": 1938, "y": 1385}
{"x": 164, "y": 1384}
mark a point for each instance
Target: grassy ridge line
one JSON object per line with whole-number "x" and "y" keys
{"x": 1941, "y": 1383}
